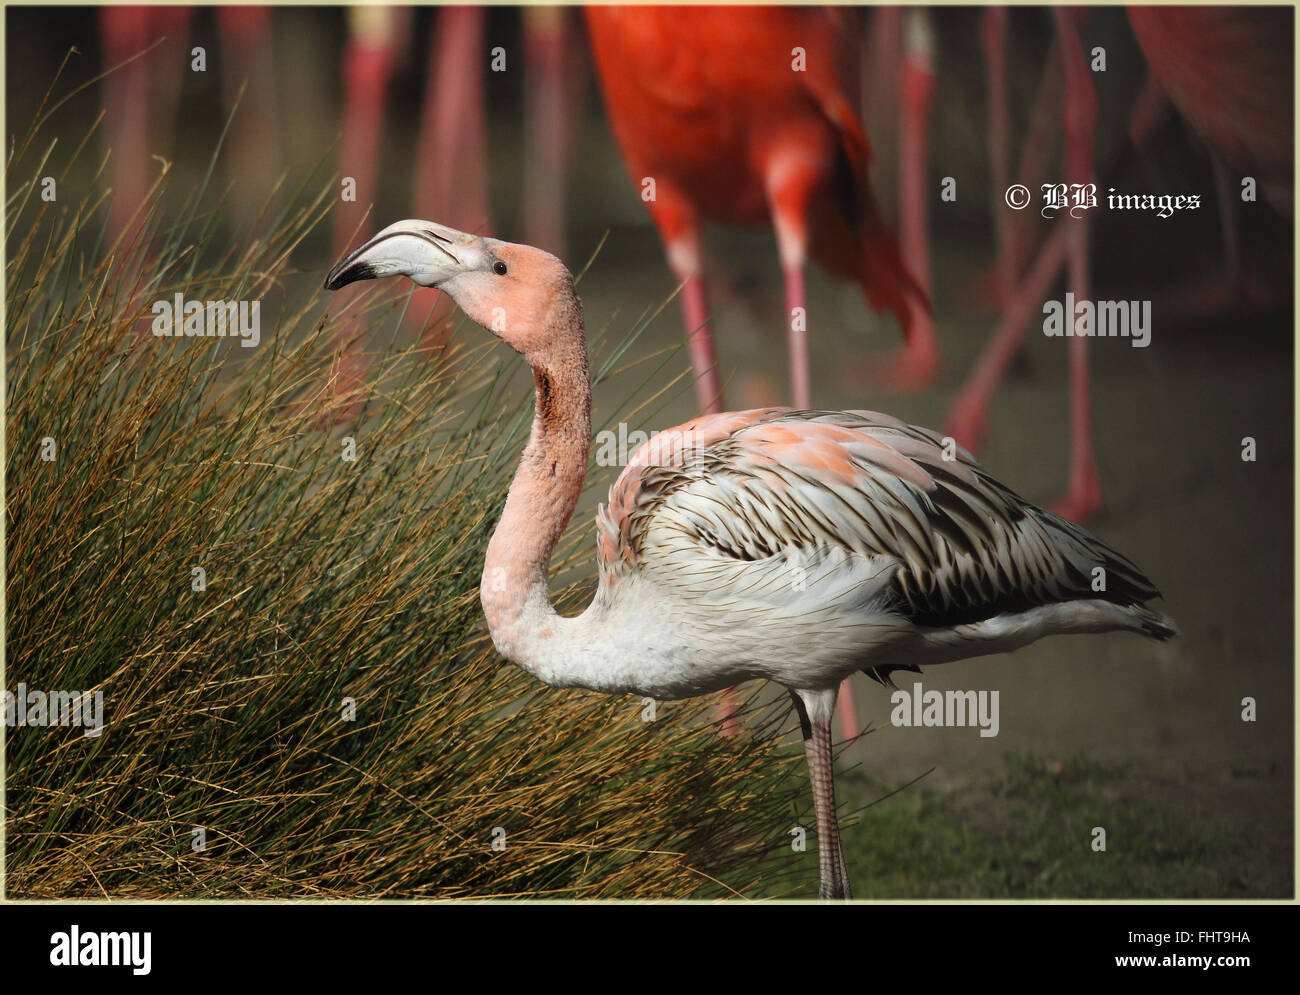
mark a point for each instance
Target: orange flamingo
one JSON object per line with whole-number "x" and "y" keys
{"x": 747, "y": 116}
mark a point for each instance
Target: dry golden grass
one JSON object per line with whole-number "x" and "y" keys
{"x": 326, "y": 580}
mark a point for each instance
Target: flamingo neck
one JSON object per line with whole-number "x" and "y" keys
{"x": 516, "y": 599}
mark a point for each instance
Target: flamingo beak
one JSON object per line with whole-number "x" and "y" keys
{"x": 426, "y": 252}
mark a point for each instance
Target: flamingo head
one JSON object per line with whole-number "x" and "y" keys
{"x": 522, "y": 295}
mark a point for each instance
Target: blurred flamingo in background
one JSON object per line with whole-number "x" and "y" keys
{"x": 1228, "y": 71}
{"x": 140, "y": 102}
{"x": 1208, "y": 60}
{"x": 451, "y": 175}
{"x": 368, "y": 59}
{"x": 253, "y": 152}
{"x": 751, "y": 117}
{"x": 553, "y": 89}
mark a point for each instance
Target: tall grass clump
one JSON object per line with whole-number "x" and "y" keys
{"x": 323, "y": 715}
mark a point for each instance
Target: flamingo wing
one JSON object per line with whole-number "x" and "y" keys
{"x": 853, "y": 498}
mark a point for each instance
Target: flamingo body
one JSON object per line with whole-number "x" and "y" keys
{"x": 831, "y": 542}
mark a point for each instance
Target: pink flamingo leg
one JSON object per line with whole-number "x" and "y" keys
{"x": 796, "y": 311}
{"x": 1084, "y": 499}
{"x": 1235, "y": 285}
{"x": 681, "y": 236}
{"x": 452, "y": 146}
{"x": 367, "y": 65}
{"x": 918, "y": 365}
{"x": 830, "y": 853}
{"x": 1039, "y": 145}
{"x": 548, "y": 124}
{"x": 993, "y": 35}
{"x": 967, "y": 420}
{"x": 451, "y": 180}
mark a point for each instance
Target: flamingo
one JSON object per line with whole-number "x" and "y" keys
{"x": 746, "y": 116}
{"x": 797, "y": 546}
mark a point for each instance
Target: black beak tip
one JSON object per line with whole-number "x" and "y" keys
{"x": 345, "y": 273}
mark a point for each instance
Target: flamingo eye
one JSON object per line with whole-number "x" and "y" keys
{"x": 499, "y": 268}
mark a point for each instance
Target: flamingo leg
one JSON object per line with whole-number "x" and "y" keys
{"x": 684, "y": 260}
{"x": 1014, "y": 231}
{"x": 451, "y": 173}
{"x": 548, "y": 124}
{"x": 815, "y": 709}
{"x": 993, "y": 35}
{"x": 1083, "y": 499}
{"x": 1036, "y": 153}
{"x": 967, "y": 420}
{"x": 918, "y": 364}
{"x": 1235, "y": 285}
{"x": 796, "y": 310}
{"x": 788, "y": 191}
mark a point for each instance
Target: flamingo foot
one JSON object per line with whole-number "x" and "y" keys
{"x": 967, "y": 422}
{"x": 914, "y": 367}
{"x": 1083, "y": 503}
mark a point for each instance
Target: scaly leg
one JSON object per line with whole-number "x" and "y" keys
{"x": 814, "y": 709}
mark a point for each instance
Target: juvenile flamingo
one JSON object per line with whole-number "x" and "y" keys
{"x": 795, "y": 546}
